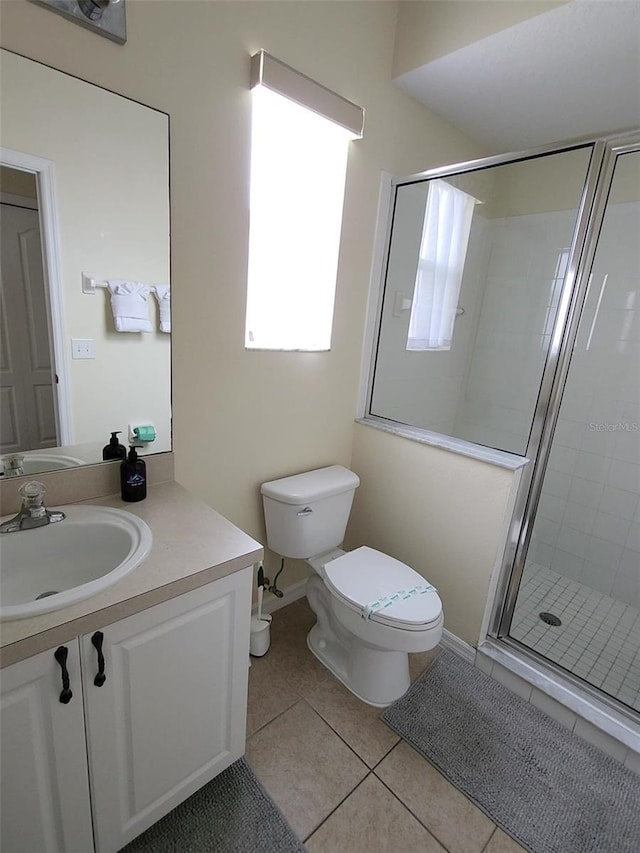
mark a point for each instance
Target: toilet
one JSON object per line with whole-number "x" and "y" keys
{"x": 371, "y": 609}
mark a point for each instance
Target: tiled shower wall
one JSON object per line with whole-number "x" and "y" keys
{"x": 520, "y": 290}
{"x": 588, "y": 523}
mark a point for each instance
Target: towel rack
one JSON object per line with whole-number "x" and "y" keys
{"x": 90, "y": 284}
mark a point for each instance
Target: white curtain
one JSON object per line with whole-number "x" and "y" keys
{"x": 443, "y": 248}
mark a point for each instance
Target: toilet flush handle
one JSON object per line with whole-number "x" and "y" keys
{"x": 306, "y": 511}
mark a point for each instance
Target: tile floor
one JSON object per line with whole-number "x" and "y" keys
{"x": 599, "y": 639}
{"x": 342, "y": 778}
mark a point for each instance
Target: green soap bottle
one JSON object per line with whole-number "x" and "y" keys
{"x": 114, "y": 450}
{"x": 133, "y": 477}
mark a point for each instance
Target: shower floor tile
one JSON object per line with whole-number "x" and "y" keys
{"x": 598, "y": 640}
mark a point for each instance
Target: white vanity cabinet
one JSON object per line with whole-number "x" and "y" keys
{"x": 171, "y": 713}
{"x": 169, "y": 716}
{"x": 44, "y": 787}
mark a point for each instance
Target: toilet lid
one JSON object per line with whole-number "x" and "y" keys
{"x": 365, "y": 577}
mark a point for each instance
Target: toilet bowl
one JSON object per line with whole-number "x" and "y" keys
{"x": 372, "y": 610}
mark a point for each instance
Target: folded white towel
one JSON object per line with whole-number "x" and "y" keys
{"x": 163, "y": 295}
{"x": 129, "y": 305}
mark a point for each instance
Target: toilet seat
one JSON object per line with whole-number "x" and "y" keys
{"x": 364, "y": 576}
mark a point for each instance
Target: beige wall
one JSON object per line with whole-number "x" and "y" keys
{"x": 540, "y": 185}
{"x": 441, "y": 513}
{"x": 241, "y": 418}
{"x": 428, "y": 29}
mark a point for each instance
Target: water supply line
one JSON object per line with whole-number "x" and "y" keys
{"x": 273, "y": 588}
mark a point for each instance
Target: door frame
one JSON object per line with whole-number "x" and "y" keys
{"x": 44, "y": 172}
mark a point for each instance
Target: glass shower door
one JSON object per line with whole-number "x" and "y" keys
{"x": 578, "y": 602}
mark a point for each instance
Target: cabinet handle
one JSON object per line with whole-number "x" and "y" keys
{"x": 100, "y": 678}
{"x": 61, "y": 654}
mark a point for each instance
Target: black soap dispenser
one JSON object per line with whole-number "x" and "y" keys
{"x": 114, "y": 450}
{"x": 133, "y": 477}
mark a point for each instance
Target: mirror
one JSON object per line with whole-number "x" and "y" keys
{"x": 85, "y": 191}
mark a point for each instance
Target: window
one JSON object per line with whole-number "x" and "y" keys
{"x": 298, "y": 172}
{"x": 443, "y": 248}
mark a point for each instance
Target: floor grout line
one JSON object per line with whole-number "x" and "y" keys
{"x": 338, "y": 735}
{"x": 387, "y": 753}
{"x": 422, "y": 824}
{"x": 489, "y": 839}
{"x": 279, "y": 714}
{"x": 335, "y": 809}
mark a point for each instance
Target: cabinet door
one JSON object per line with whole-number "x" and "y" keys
{"x": 171, "y": 714}
{"x": 44, "y": 788}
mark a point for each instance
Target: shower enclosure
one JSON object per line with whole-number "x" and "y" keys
{"x": 573, "y": 595}
{"x": 509, "y": 322}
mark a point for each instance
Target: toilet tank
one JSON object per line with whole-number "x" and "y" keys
{"x": 306, "y": 515}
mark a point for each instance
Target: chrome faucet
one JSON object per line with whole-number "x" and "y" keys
{"x": 33, "y": 512}
{"x": 12, "y": 464}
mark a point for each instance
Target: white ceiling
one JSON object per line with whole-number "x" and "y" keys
{"x": 570, "y": 72}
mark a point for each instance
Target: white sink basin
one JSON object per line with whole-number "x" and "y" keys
{"x": 56, "y": 565}
{"x": 39, "y": 463}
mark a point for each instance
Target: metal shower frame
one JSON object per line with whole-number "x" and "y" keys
{"x": 604, "y": 153}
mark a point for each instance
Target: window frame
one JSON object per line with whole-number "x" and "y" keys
{"x": 389, "y": 186}
{"x": 284, "y": 81}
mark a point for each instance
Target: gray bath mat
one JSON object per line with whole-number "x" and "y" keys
{"x": 548, "y": 788}
{"x": 231, "y": 814}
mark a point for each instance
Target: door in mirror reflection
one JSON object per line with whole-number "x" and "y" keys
{"x": 27, "y": 376}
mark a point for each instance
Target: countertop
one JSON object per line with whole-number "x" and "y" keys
{"x": 192, "y": 546}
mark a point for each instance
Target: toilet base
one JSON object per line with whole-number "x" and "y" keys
{"x": 375, "y": 676}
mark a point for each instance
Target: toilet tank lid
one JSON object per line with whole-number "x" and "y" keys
{"x": 312, "y": 485}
